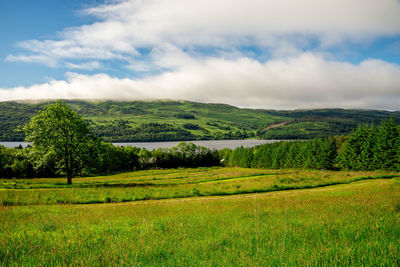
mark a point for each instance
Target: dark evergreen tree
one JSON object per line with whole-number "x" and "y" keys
{"x": 386, "y": 150}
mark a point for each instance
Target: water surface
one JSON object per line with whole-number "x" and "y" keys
{"x": 212, "y": 144}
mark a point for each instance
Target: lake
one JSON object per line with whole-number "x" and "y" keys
{"x": 212, "y": 144}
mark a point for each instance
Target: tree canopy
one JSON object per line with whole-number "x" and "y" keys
{"x": 59, "y": 132}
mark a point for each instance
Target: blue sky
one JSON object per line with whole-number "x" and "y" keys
{"x": 253, "y": 53}
{"x": 22, "y": 20}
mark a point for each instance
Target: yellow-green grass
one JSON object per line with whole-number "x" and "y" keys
{"x": 172, "y": 183}
{"x": 350, "y": 224}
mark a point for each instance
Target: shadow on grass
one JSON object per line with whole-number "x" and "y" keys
{"x": 196, "y": 193}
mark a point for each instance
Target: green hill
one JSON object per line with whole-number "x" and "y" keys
{"x": 184, "y": 120}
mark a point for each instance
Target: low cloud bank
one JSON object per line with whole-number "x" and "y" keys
{"x": 304, "y": 81}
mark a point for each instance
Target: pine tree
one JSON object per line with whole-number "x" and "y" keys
{"x": 387, "y": 146}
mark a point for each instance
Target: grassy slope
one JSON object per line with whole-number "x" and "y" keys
{"x": 215, "y": 121}
{"x": 353, "y": 224}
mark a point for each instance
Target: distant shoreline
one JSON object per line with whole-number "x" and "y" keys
{"x": 212, "y": 144}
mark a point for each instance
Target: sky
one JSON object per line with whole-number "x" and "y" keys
{"x": 270, "y": 54}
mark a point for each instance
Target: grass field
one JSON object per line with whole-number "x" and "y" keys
{"x": 171, "y": 183}
{"x": 355, "y": 222}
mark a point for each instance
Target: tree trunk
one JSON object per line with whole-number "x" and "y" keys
{"x": 68, "y": 171}
{"x": 69, "y": 179}
{"x": 68, "y": 164}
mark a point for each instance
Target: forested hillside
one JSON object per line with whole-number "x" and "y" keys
{"x": 183, "y": 120}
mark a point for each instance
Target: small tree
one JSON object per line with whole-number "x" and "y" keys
{"x": 60, "y": 131}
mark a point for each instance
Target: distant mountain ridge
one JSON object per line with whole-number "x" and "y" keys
{"x": 165, "y": 120}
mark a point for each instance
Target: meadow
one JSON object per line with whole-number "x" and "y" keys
{"x": 170, "y": 183}
{"x": 355, "y": 222}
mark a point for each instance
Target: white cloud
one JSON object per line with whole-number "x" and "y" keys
{"x": 197, "y": 48}
{"x": 123, "y": 27}
{"x": 37, "y": 58}
{"x": 91, "y": 65}
{"x": 304, "y": 81}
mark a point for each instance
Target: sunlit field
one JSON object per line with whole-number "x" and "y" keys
{"x": 348, "y": 224}
{"x": 170, "y": 183}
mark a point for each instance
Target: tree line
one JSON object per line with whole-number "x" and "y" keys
{"x": 369, "y": 147}
{"x": 102, "y": 158}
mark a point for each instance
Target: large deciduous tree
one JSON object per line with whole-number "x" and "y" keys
{"x": 61, "y": 132}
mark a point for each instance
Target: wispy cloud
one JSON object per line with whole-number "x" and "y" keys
{"x": 91, "y": 65}
{"x": 37, "y": 58}
{"x": 124, "y": 27}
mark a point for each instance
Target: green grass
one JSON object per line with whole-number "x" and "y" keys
{"x": 352, "y": 224}
{"x": 171, "y": 183}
